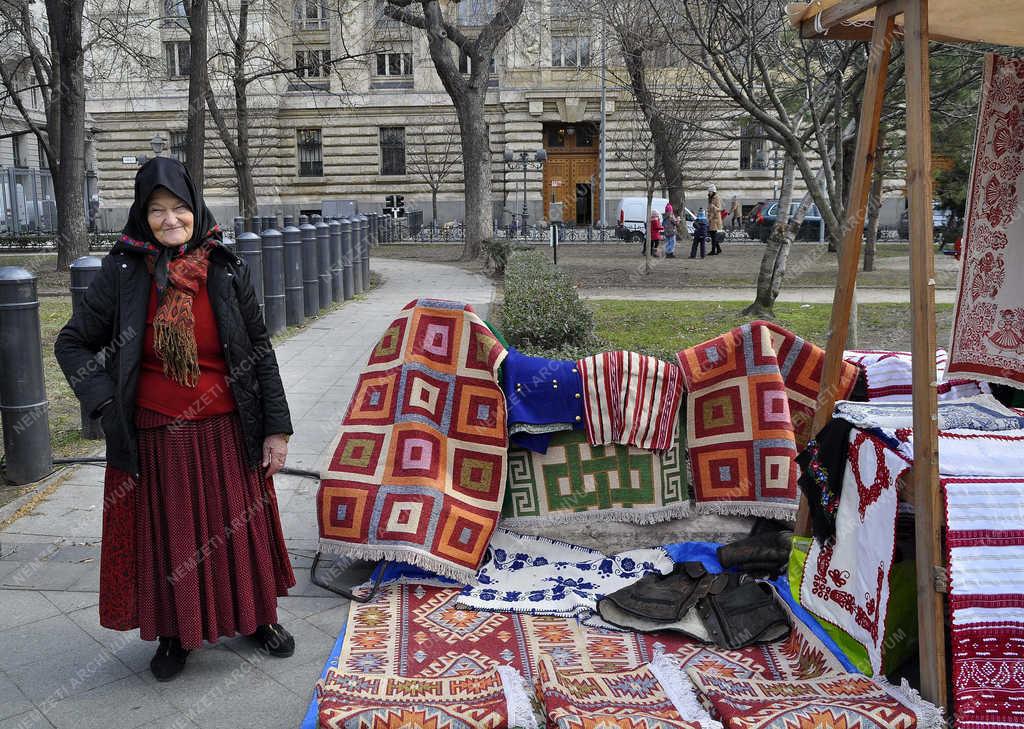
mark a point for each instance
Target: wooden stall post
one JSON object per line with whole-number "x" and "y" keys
{"x": 849, "y": 253}
{"x": 928, "y": 511}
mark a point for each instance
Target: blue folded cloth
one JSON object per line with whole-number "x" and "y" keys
{"x": 541, "y": 392}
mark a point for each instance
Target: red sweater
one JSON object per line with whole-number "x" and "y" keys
{"x": 212, "y": 395}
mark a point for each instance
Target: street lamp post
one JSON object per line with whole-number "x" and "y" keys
{"x": 157, "y": 144}
{"x": 775, "y": 173}
{"x": 517, "y": 160}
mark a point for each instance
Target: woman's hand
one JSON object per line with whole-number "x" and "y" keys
{"x": 275, "y": 451}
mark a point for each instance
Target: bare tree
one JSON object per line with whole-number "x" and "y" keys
{"x": 434, "y": 156}
{"x": 52, "y": 60}
{"x": 198, "y": 84}
{"x": 467, "y": 93}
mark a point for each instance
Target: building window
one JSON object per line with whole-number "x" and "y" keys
{"x": 394, "y": 64}
{"x": 753, "y": 148}
{"x": 570, "y": 51}
{"x": 20, "y": 152}
{"x": 315, "y": 63}
{"x": 666, "y": 55}
{"x": 310, "y": 15}
{"x": 178, "y": 55}
{"x": 466, "y": 63}
{"x": 475, "y": 13}
{"x": 381, "y": 20}
{"x": 175, "y": 9}
{"x": 310, "y": 152}
{"x": 179, "y": 148}
{"x": 392, "y": 150}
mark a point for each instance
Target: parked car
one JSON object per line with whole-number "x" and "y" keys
{"x": 940, "y": 218}
{"x": 762, "y": 219}
{"x": 632, "y": 217}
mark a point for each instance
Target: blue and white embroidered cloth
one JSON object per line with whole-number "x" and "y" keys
{"x": 983, "y": 412}
{"x": 540, "y": 576}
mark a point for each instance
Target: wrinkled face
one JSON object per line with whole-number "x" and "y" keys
{"x": 170, "y": 218}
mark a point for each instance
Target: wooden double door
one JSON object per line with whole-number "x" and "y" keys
{"x": 572, "y": 178}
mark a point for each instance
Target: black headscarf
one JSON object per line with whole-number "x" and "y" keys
{"x": 172, "y": 175}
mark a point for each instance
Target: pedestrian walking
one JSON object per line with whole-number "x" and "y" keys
{"x": 196, "y": 425}
{"x": 700, "y": 234}
{"x": 670, "y": 227}
{"x": 715, "y": 224}
{"x": 736, "y": 214}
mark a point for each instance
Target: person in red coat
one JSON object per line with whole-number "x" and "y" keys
{"x": 657, "y": 230}
{"x": 196, "y": 424}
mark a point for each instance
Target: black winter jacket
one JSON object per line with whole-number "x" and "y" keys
{"x": 100, "y": 351}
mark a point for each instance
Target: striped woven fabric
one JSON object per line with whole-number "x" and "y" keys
{"x": 631, "y": 399}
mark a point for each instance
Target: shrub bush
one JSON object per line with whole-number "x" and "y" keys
{"x": 542, "y": 312}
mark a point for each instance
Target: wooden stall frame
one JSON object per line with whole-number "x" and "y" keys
{"x": 925, "y": 474}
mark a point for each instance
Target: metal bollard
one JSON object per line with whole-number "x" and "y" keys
{"x": 374, "y": 219}
{"x": 347, "y": 285}
{"x": 239, "y": 225}
{"x": 251, "y": 251}
{"x": 293, "y": 297}
{"x": 365, "y": 255}
{"x": 24, "y": 411}
{"x": 337, "y": 294}
{"x": 287, "y": 221}
{"x": 310, "y": 279}
{"x": 269, "y": 221}
{"x": 357, "y": 254}
{"x": 83, "y": 270}
{"x": 273, "y": 280}
{"x": 323, "y": 260}
{"x": 255, "y": 225}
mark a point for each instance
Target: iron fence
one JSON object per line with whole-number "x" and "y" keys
{"x": 27, "y": 202}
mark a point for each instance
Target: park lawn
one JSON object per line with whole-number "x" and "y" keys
{"x": 44, "y": 266}
{"x": 662, "y": 328}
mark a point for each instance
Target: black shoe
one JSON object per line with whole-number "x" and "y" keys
{"x": 169, "y": 660}
{"x": 275, "y": 640}
{"x": 670, "y": 255}
{"x": 693, "y": 256}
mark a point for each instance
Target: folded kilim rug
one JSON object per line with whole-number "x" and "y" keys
{"x": 846, "y": 580}
{"x": 654, "y": 696}
{"x": 540, "y": 576}
{"x": 750, "y": 402}
{"x": 417, "y": 471}
{"x": 630, "y": 398}
{"x": 420, "y": 631}
{"x": 985, "y": 539}
{"x": 988, "y": 326}
{"x": 577, "y": 481}
{"x": 847, "y": 701}
{"x": 498, "y": 699}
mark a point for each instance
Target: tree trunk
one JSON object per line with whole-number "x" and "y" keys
{"x": 776, "y": 252}
{"x": 68, "y": 57}
{"x": 433, "y": 207}
{"x": 198, "y": 80}
{"x": 661, "y": 135}
{"x": 476, "y": 167}
{"x": 874, "y": 209}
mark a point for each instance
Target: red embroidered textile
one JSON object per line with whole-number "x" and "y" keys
{"x": 211, "y": 395}
{"x": 194, "y": 548}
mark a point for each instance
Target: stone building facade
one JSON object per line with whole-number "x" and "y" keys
{"x": 375, "y": 120}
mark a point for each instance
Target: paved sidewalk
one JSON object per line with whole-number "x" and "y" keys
{"x": 59, "y": 668}
{"x": 803, "y": 295}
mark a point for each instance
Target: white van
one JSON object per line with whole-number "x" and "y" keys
{"x": 631, "y": 217}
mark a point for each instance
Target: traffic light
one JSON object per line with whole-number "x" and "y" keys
{"x": 389, "y": 201}
{"x": 399, "y": 201}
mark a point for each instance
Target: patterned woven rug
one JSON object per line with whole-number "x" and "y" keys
{"x": 849, "y": 701}
{"x": 985, "y": 539}
{"x": 846, "y": 580}
{"x": 540, "y": 576}
{"x": 988, "y": 326}
{"x": 438, "y": 638}
{"x": 576, "y": 481}
{"x": 630, "y": 398}
{"x": 751, "y": 396}
{"x": 418, "y": 468}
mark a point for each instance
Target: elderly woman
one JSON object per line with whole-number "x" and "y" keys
{"x": 196, "y": 423}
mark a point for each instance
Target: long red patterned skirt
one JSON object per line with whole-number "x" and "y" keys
{"x": 194, "y": 549}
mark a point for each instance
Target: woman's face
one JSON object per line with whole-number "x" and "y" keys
{"x": 170, "y": 218}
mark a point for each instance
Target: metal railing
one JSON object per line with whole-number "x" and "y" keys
{"x": 27, "y": 202}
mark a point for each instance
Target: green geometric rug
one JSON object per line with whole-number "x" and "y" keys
{"x": 575, "y": 481}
